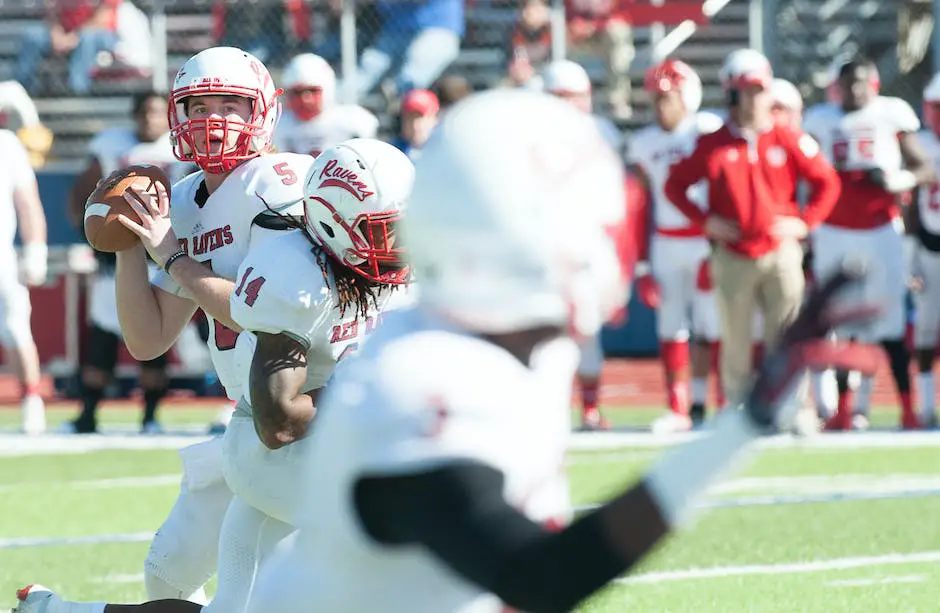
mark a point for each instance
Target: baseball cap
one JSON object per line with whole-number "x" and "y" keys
{"x": 420, "y": 101}
{"x": 565, "y": 76}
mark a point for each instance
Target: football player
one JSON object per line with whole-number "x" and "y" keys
{"x": 419, "y": 498}
{"x": 313, "y": 120}
{"x": 925, "y": 232}
{"x": 569, "y": 81}
{"x": 22, "y": 207}
{"x": 871, "y": 140}
{"x": 223, "y": 109}
{"x": 677, "y": 284}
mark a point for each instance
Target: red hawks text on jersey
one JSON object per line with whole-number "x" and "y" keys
{"x": 857, "y": 142}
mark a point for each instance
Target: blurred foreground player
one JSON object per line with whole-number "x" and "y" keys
{"x": 872, "y": 142}
{"x": 22, "y": 210}
{"x": 148, "y": 142}
{"x": 426, "y": 504}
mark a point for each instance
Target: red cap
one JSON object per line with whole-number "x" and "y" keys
{"x": 420, "y": 101}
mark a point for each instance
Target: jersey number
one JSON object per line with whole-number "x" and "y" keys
{"x": 844, "y": 150}
{"x": 933, "y": 197}
{"x": 288, "y": 176}
{"x": 225, "y": 337}
{"x": 251, "y": 289}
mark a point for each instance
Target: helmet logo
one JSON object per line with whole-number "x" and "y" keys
{"x": 334, "y": 175}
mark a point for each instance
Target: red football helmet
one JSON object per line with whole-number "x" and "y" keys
{"x": 675, "y": 75}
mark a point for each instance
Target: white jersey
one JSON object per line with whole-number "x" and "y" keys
{"x": 219, "y": 229}
{"x": 281, "y": 289}
{"x": 15, "y": 173}
{"x": 117, "y": 148}
{"x": 611, "y": 133}
{"x": 862, "y": 139}
{"x": 928, "y": 202}
{"x": 334, "y": 125}
{"x": 655, "y": 150}
{"x": 410, "y": 400}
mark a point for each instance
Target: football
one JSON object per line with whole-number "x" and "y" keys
{"x": 102, "y": 228}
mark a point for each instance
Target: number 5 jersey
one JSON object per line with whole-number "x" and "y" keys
{"x": 857, "y": 142}
{"x": 219, "y": 229}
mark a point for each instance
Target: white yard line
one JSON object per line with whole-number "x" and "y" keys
{"x": 19, "y": 445}
{"x": 99, "y": 484}
{"x": 96, "y": 539}
{"x": 864, "y": 582}
{"x": 815, "y": 566}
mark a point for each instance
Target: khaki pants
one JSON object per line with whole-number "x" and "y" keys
{"x": 772, "y": 283}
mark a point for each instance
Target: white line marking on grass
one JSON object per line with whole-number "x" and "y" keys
{"x": 818, "y": 484}
{"x": 97, "y": 539}
{"x": 129, "y": 578}
{"x": 815, "y": 566}
{"x": 612, "y": 457}
{"x": 599, "y": 441}
{"x": 54, "y": 444}
{"x": 99, "y": 484}
{"x": 875, "y": 581}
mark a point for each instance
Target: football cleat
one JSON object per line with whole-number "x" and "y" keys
{"x": 36, "y": 599}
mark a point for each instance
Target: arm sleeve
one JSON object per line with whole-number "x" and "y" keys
{"x": 682, "y": 175}
{"x": 458, "y": 512}
{"x": 819, "y": 175}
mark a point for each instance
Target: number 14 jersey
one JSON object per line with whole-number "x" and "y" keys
{"x": 857, "y": 142}
{"x": 219, "y": 229}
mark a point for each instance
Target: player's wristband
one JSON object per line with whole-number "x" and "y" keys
{"x": 171, "y": 259}
{"x": 642, "y": 269}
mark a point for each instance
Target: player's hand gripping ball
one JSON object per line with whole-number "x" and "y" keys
{"x": 102, "y": 228}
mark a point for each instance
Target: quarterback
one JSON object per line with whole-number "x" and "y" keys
{"x": 222, "y": 111}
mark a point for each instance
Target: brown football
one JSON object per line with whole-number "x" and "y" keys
{"x": 102, "y": 228}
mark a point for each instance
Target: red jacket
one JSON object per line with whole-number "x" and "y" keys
{"x": 752, "y": 193}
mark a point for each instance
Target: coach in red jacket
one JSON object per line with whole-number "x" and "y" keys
{"x": 752, "y": 167}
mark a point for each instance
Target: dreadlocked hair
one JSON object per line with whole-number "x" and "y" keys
{"x": 352, "y": 289}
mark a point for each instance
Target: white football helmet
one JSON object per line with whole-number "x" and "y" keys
{"x": 517, "y": 218}
{"x": 746, "y": 67}
{"x": 309, "y": 71}
{"x": 786, "y": 95}
{"x": 675, "y": 74}
{"x": 568, "y": 80}
{"x": 223, "y": 71}
{"x": 354, "y": 196}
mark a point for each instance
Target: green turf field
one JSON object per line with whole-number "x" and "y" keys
{"x": 809, "y": 527}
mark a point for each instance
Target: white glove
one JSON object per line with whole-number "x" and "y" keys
{"x": 895, "y": 181}
{"x": 35, "y": 263}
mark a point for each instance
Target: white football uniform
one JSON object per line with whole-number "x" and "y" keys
{"x": 677, "y": 250}
{"x": 927, "y": 257}
{"x": 116, "y": 148}
{"x": 298, "y": 300}
{"x": 218, "y": 230}
{"x": 865, "y": 220}
{"x": 334, "y": 125}
{"x": 15, "y": 173}
{"x": 410, "y": 400}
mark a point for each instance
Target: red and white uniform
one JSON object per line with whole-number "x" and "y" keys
{"x": 927, "y": 256}
{"x": 219, "y": 231}
{"x": 866, "y": 219}
{"x": 677, "y": 248}
{"x": 331, "y": 127}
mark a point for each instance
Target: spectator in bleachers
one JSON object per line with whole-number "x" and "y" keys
{"x": 450, "y": 89}
{"x": 82, "y": 29}
{"x": 419, "y": 115}
{"x": 424, "y": 35}
{"x": 596, "y": 27}
{"x": 258, "y": 27}
{"x": 530, "y": 45}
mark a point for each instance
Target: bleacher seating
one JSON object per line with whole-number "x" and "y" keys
{"x": 482, "y": 60}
